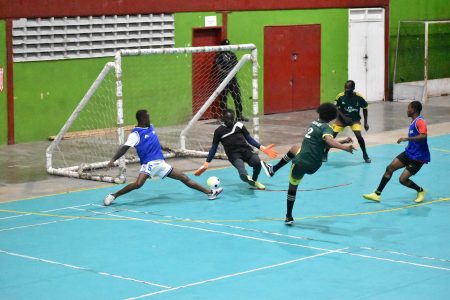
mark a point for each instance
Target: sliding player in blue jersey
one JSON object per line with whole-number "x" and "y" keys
{"x": 143, "y": 137}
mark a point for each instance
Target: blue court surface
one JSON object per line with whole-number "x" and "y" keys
{"x": 166, "y": 241}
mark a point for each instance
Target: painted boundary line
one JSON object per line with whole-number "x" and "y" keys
{"x": 83, "y": 269}
{"x": 235, "y": 274}
{"x": 43, "y": 211}
{"x": 284, "y": 243}
{"x": 292, "y": 236}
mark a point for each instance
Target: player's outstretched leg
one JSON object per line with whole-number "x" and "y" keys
{"x": 362, "y": 145}
{"x": 212, "y": 194}
{"x": 140, "y": 180}
{"x": 255, "y": 163}
{"x": 390, "y": 169}
{"x": 239, "y": 164}
{"x": 291, "y": 195}
{"x": 271, "y": 170}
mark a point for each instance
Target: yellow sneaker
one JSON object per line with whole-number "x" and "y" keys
{"x": 373, "y": 197}
{"x": 420, "y": 196}
{"x": 259, "y": 185}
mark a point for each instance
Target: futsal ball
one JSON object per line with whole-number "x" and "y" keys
{"x": 213, "y": 182}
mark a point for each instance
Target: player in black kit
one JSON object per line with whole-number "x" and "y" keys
{"x": 235, "y": 139}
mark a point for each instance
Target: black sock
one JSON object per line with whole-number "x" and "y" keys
{"x": 362, "y": 145}
{"x": 412, "y": 185}
{"x": 383, "y": 182}
{"x": 287, "y": 158}
{"x": 290, "y": 202}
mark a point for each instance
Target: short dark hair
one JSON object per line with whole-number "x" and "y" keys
{"x": 352, "y": 83}
{"x": 140, "y": 114}
{"x": 225, "y": 42}
{"x": 417, "y": 106}
{"x": 327, "y": 112}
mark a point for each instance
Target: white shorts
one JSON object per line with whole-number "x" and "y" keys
{"x": 156, "y": 169}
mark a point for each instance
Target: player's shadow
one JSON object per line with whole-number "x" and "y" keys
{"x": 160, "y": 199}
{"x": 344, "y": 164}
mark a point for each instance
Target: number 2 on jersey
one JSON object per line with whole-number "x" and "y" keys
{"x": 308, "y": 134}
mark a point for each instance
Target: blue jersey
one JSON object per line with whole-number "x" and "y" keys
{"x": 148, "y": 148}
{"x": 418, "y": 150}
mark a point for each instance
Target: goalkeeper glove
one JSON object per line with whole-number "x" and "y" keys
{"x": 269, "y": 151}
{"x": 201, "y": 169}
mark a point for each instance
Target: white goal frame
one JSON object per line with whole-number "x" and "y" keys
{"x": 77, "y": 171}
{"x": 416, "y": 90}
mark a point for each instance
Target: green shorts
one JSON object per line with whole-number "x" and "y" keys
{"x": 299, "y": 169}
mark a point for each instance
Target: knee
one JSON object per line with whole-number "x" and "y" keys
{"x": 294, "y": 149}
{"x": 403, "y": 180}
{"x": 389, "y": 170}
{"x": 138, "y": 184}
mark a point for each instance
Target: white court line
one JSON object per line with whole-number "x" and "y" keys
{"x": 215, "y": 231}
{"x": 35, "y": 225}
{"x": 395, "y": 261}
{"x": 405, "y": 254}
{"x": 44, "y": 211}
{"x": 285, "y": 243}
{"x": 83, "y": 269}
{"x": 235, "y": 274}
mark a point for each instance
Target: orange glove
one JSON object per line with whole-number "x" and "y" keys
{"x": 201, "y": 169}
{"x": 269, "y": 151}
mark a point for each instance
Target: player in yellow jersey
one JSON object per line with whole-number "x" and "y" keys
{"x": 349, "y": 104}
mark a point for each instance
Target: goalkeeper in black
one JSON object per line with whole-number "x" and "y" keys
{"x": 308, "y": 158}
{"x": 236, "y": 141}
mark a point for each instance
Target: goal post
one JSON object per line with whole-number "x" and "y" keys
{"x": 422, "y": 60}
{"x": 180, "y": 87}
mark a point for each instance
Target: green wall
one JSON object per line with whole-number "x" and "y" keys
{"x": 47, "y": 92}
{"x": 3, "y": 96}
{"x": 245, "y": 27}
{"x": 410, "y": 64}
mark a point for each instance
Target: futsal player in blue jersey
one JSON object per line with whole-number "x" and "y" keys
{"x": 412, "y": 159}
{"x": 143, "y": 137}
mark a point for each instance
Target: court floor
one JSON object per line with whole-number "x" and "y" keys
{"x": 166, "y": 241}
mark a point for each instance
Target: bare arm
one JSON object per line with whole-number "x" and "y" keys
{"x": 419, "y": 137}
{"x": 335, "y": 144}
{"x": 365, "y": 113}
{"x": 120, "y": 152}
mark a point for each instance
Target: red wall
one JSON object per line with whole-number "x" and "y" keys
{"x": 61, "y": 8}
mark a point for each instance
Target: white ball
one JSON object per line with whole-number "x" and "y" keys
{"x": 213, "y": 182}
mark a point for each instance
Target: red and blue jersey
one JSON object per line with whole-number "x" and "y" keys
{"x": 418, "y": 150}
{"x": 148, "y": 147}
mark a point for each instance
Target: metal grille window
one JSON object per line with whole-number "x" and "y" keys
{"x": 85, "y": 37}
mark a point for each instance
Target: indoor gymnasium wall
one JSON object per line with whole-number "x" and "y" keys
{"x": 3, "y": 96}
{"x": 244, "y": 27}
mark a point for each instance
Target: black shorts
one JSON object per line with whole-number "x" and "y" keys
{"x": 243, "y": 153}
{"x": 413, "y": 166}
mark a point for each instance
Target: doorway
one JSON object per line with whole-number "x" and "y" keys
{"x": 366, "y": 51}
{"x": 203, "y": 69}
{"x": 291, "y": 68}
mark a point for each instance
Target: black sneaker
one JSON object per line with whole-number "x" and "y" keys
{"x": 367, "y": 159}
{"x": 268, "y": 168}
{"x": 289, "y": 221}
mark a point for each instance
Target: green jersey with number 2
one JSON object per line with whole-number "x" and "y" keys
{"x": 314, "y": 143}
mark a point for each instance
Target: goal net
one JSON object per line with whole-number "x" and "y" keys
{"x": 422, "y": 60}
{"x": 181, "y": 88}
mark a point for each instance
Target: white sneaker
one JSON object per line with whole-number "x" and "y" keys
{"x": 268, "y": 168}
{"x": 215, "y": 193}
{"x": 108, "y": 200}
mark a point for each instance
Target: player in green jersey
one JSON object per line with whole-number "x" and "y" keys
{"x": 308, "y": 158}
{"x": 349, "y": 104}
